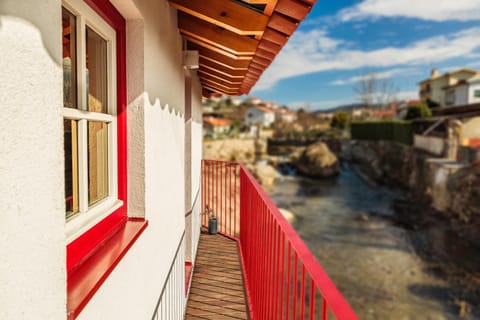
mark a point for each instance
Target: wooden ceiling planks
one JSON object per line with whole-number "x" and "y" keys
{"x": 227, "y": 14}
{"x": 235, "y": 41}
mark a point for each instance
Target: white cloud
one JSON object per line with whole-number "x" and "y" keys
{"x": 314, "y": 51}
{"x": 377, "y": 75}
{"x": 432, "y": 10}
{"x": 407, "y": 95}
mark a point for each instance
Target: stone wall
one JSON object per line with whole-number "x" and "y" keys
{"x": 450, "y": 187}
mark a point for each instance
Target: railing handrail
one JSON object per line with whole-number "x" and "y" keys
{"x": 330, "y": 293}
{"x": 264, "y": 235}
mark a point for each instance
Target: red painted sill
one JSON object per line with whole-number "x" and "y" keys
{"x": 85, "y": 280}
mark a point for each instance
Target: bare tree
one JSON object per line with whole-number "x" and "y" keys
{"x": 365, "y": 89}
{"x": 374, "y": 91}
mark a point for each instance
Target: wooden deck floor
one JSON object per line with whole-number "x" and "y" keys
{"x": 217, "y": 290}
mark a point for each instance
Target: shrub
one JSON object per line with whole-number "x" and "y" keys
{"x": 418, "y": 111}
{"x": 340, "y": 120}
{"x": 399, "y": 131}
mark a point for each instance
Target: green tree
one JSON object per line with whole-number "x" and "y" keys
{"x": 340, "y": 120}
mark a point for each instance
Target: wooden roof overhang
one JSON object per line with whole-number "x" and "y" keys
{"x": 237, "y": 39}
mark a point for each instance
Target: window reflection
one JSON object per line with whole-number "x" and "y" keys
{"x": 97, "y": 161}
{"x": 96, "y": 72}
{"x": 69, "y": 60}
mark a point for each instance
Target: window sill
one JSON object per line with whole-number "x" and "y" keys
{"x": 86, "y": 278}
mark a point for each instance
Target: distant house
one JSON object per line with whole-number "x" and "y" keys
{"x": 455, "y": 88}
{"x": 215, "y": 126}
{"x": 285, "y": 115}
{"x": 384, "y": 113}
{"x": 260, "y": 115}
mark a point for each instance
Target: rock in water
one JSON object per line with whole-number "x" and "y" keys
{"x": 318, "y": 161}
{"x": 289, "y": 216}
{"x": 264, "y": 173}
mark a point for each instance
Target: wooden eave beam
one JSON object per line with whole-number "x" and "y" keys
{"x": 220, "y": 86}
{"x": 282, "y": 23}
{"x": 275, "y": 36}
{"x": 218, "y": 90}
{"x": 205, "y": 75}
{"x": 238, "y": 64}
{"x": 226, "y": 14}
{"x": 204, "y": 33}
{"x": 221, "y": 70}
{"x": 297, "y": 10}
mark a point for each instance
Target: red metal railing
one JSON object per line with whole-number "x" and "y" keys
{"x": 283, "y": 279}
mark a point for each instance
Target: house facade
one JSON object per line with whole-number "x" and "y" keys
{"x": 260, "y": 116}
{"x": 101, "y": 145}
{"x": 455, "y": 88}
{"x": 215, "y": 126}
{"x": 285, "y": 115}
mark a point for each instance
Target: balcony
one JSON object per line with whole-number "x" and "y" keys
{"x": 257, "y": 264}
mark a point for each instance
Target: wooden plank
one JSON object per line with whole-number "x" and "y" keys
{"x": 226, "y": 14}
{"x": 207, "y": 33}
{"x": 261, "y": 61}
{"x": 221, "y": 91}
{"x": 217, "y": 292}
{"x": 206, "y": 75}
{"x": 297, "y": 10}
{"x": 227, "y": 61}
{"x": 269, "y": 46}
{"x": 275, "y": 36}
{"x": 216, "y": 84}
{"x": 265, "y": 54}
{"x": 221, "y": 71}
{"x": 282, "y": 23}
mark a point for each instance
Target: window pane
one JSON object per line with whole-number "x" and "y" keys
{"x": 69, "y": 60}
{"x": 97, "y": 161}
{"x": 71, "y": 166}
{"x": 96, "y": 72}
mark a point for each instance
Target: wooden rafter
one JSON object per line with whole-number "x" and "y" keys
{"x": 219, "y": 85}
{"x": 219, "y": 90}
{"x": 221, "y": 71}
{"x": 204, "y": 33}
{"x": 226, "y": 14}
{"x": 235, "y": 64}
{"x": 237, "y": 41}
{"x": 205, "y": 75}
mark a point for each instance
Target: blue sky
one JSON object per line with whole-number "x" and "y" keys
{"x": 341, "y": 41}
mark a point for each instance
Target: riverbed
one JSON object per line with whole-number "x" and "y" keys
{"x": 385, "y": 269}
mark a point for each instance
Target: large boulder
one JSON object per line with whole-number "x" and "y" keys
{"x": 318, "y": 161}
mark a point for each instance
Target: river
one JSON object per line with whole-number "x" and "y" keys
{"x": 384, "y": 269}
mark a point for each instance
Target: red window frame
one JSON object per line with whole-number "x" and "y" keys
{"x": 82, "y": 247}
{"x": 93, "y": 256}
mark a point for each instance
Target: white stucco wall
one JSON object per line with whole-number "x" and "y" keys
{"x": 136, "y": 282}
{"x": 461, "y": 95}
{"x": 471, "y": 92}
{"x": 32, "y": 208}
{"x": 256, "y": 116}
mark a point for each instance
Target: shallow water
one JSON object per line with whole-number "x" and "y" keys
{"x": 376, "y": 264}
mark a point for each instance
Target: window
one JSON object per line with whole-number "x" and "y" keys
{"x": 476, "y": 93}
{"x": 90, "y": 122}
{"x": 450, "y": 98}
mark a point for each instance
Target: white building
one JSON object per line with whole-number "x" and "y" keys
{"x": 463, "y": 93}
{"x": 450, "y": 89}
{"x": 260, "y": 116}
{"x": 101, "y": 146}
{"x": 285, "y": 115}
